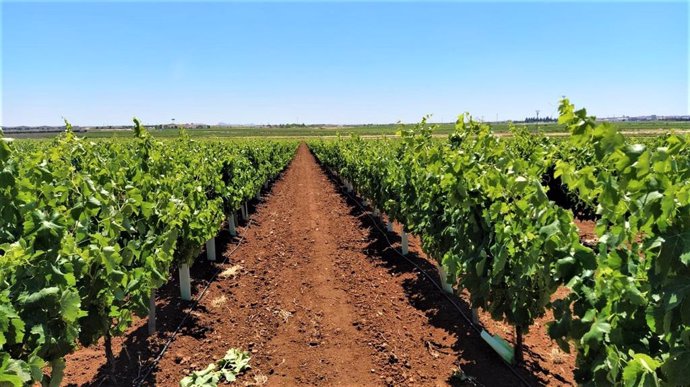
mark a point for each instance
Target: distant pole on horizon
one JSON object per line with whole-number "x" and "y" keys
{"x": 537, "y": 120}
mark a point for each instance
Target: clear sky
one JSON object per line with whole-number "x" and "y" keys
{"x": 322, "y": 62}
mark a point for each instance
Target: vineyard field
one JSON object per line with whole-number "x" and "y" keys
{"x": 632, "y": 129}
{"x": 465, "y": 256}
{"x": 344, "y": 193}
{"x": 90, "y": 230}
{"x": 498, "y": 217}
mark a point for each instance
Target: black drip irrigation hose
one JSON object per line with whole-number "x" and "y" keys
{"x": 433, "y": 281}
{"x": 140, "y": 380}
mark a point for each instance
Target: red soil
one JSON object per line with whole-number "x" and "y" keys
{"x": 587, "y": 228}
{"x": 319, "y": 298}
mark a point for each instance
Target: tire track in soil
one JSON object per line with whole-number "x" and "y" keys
{"x": 317, "y": 299}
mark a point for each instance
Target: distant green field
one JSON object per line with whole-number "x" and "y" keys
{"x": 644, "y": 128}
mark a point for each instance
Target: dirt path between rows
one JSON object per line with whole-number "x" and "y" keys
{"x": 317, "y": 297}
{"x": 318, "y": 341}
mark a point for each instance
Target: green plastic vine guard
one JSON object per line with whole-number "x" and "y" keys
{"x": 501, "y": 346}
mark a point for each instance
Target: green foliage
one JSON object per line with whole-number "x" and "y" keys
{"x": 630, "y": 316}
{"x": 232, "y": 364}
{"x": 88, "y": 230}
{"x": 481, "y": 207}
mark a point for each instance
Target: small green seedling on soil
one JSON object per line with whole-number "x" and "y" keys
{"x": 232, "y": 364}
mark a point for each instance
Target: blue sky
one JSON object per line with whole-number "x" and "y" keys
{"x": 101, "y": 63}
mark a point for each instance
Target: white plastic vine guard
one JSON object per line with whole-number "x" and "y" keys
{"x": 448, "y": 288}
{"x": 258, "y": 195}
{"x": 211, "y": 249}
{"x": 377, "y": 213}
{"x": 185, "y": 283}
{"x": 389, "y": 226}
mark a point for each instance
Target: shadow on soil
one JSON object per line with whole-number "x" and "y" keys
{"x": 139, "y": 350}
{"x": 481, "y": 365}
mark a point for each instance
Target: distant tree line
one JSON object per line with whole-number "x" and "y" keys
{"x": 287, "y": 126}
{"x": 682, "y": 118}
{"x": 540, "y": 119}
